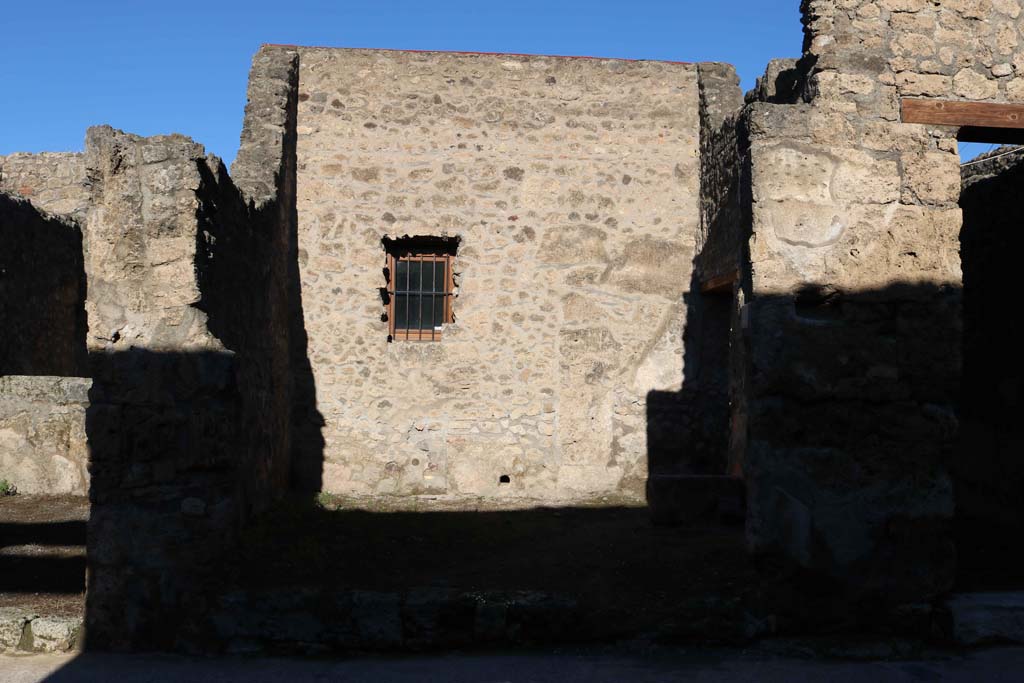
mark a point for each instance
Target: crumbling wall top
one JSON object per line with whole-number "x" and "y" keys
{"x": 866, "y": 54}
{"x": 53, "y": 181}
{"x": 273, "y": 84}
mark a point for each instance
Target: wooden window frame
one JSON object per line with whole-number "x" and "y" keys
{"x": 428, "y": 256}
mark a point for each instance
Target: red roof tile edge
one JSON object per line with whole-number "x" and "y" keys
{"x": 471, "y": 52}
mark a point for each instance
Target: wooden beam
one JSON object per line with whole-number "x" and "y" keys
{"x": 720, "y": 283}
{"x": 972, "y": 115}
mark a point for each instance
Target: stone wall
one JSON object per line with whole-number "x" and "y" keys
{"x": 54, "y": 182}
{"x": 42, "y": 292}
{"x": 265, "y": 173}
{"x": 42, "y": 434}
{"x": 246, "y": 272}
{"x": 725, "y": 223}
{"x": 988, "y": 471}
{"x": 572, "y": 185}
{"x": 868, "y": 53}
{"x": 188, "y": 334}
{"x": 850, "y": 319}
{"x": 692, "y": 433}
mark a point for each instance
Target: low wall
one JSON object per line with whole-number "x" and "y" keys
{"x": 42, "y": 434}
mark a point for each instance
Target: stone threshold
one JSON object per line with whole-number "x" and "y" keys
{"x": 25, "y": 632}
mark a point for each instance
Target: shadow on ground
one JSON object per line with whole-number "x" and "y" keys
{"x": 42, "y": 553}
{"x": 314, "y": 578}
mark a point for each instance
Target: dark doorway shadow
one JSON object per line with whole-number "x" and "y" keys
{"x": 688, "y": 431}
{"x": 988, "y": 470}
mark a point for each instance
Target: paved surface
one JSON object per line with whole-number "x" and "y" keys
{"x": 991, "y": 666}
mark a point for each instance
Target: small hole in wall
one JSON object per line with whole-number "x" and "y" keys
{"x": 504, "y": 479}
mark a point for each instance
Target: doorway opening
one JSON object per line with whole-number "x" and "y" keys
{"x": 988, "y": 471}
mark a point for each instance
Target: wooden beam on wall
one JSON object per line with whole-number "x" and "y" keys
{"x": 720, "y": 283}
{"x": 972, "y": 116}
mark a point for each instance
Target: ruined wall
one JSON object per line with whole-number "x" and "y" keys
{"x": 869, "y": 53}
{"x": 244, "y": 273}
{"x": 722, "y": 261}
{"x": 42, "y": 434}
{"x": 42, "y": 292}
{"x": 694, "y": 422}
{"x": 162, "y": 420}
{"x": 852, "y": 315}
{"x": 725, "y": 222}
{"x": 183, "y": 438}
{"x": 54, "y": 182}
{"x": 42, "y": 325}
{"x": 988, "y": 470}
{"x": 264, "y": 171}
{"x": 572, "y": 184}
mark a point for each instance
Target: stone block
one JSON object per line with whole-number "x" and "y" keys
{"x": 42, "y": 434}
{"x": 987, "y": 618}
{"x": 931, "y": 178}
{"x": 12, "y": 627}
{"x": 56, "y": 634}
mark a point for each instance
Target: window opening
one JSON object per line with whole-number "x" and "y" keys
{"x": 420, "y": 288}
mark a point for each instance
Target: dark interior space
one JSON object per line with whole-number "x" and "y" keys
{"x": 989, "y": 468}
{"x": 42, "y": 292}
{"x": 688, "y": 431}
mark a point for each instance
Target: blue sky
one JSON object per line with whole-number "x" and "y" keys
{"x": 162, "y": 67}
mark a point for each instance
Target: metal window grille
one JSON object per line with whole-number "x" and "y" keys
{"x": 420, "y": 294}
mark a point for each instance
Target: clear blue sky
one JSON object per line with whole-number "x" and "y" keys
{"x": 153, "y": 67}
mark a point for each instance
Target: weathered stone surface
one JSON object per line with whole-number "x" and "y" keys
{"x": 924, "y": 48}
{"x": 23, "y": 632}
{"x": 780, "y": 84}
{"x": 260, "y": 169}
{"x": 55, "y": 634}
{"x": 725, "y": 220}
{"x": 140, "y": 254}
{"x": 42, "y": 434}
{"x": 576, "y": 207}
{"x": 54, "y": 182}
{"x": 189, "y": 416}
{"x": 985, "y": 618}
{"x": 12, "y": 626}
{"x": 848, "y": 291}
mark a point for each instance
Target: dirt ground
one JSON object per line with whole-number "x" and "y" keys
{"x": 42, "y": 553}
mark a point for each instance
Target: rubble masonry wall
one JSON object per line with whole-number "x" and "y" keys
{"x": 573, "y": 187}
